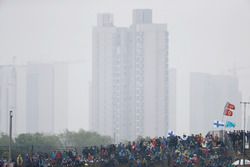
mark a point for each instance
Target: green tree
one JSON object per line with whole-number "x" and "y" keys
{"x": 38, "y": 142}
{"x": 4, "y": 143}
{"x": 83, "y": 138}
{"x": 4, "y": 139}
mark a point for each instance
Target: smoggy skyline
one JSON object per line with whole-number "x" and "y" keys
{"x": 205, "y": 36}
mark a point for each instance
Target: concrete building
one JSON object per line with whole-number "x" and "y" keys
{"x": 130, "y": 78}
{"x": 110, "y": 47}
{"x": 7, "y": 95}
{"x": 172, "y": 100}
{"x": 208, "y": 96}
{"x": 39, "y": 96}
{"x": 149, "y": 75}
{"x": 12, "y": 97}
{"x": 61, "y": 97}
{"x": 47, "y": 98}
{"x": 19, "y": 119}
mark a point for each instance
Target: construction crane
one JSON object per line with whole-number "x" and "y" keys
{"x": 235, "y": 70}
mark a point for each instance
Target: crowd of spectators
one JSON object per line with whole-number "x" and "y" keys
{"x": 236, "y": 137}
{"x": 193, "y": 150}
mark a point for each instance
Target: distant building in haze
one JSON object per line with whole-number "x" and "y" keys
{"x": 19, "y": 114}
{"x": 208, "y": 96}
{"x": 40, "y": 101}
{"x": 109, "y": 103}
{"x": 7, "y": 95}
{"x": 61, "y": 99}
{"x": 130, "y": 78}
{"x": 172, "y": 100}
{"x": 38, "y": 96}
{"x": 149, "y": 75}
{"x": 46, "y": 94}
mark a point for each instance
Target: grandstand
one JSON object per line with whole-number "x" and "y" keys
{"x": 217, "y": 148}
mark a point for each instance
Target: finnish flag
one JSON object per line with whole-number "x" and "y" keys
{"x": 218, "y": 124}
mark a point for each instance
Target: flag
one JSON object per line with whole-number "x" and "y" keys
{"x": 230, "y": 106}
{"x": 228, "y": 109}
{"x": 218, "y": 124}
{"x": 230, "y": 124}
{"x": 228, "y": 112}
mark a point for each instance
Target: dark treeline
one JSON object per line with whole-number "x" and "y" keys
{"x": 38, "y": 142}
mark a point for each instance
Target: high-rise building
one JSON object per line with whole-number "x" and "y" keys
{"x": 172, "y": 100}
{"x": 130, "y": 78}
{"x": 12, "y": 98}
{"x": 208, "y": 96}
{"x": 142, "y": 16}
{"x": 61, "y": 104}
{"x": 19, "y": 114}
{"x": 110, "y": 48}
{"x": 7, "y": 95}
{"x": 47, "y": 97}
{"x": 38, "y": 96}
{"x": 149, "y": 75}
{"x": 40, "y": 101}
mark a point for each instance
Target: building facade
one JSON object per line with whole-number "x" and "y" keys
{"x": 38, "y": 96}
{"x": 7, "y": 95}
{"x": 47, "y": 97}
{"x": 130, "y": 78}
{"x": 40, "y": 101}
{"x": 208, "y": 96}
{"x": 109, "y": 103}
{"x": 61, "y": 97}
{"x": 172, "y": 100}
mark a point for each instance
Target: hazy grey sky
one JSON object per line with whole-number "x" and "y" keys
{"x": 205, "y": 35}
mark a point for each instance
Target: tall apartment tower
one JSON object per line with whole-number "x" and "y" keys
{"x": 46, "y": 97}
{"x": 7, "y": 95}
{"x": 39, "y": 96}
{"x": 172, "y": 123}
{"x": 19, "y": 114}
{"x": 130, "y": 78}
{"x": 149, "y": 76}
{"x": 110, "y": 47}
{"x": 61, "y": 104}
{"x": 208, "y": 96}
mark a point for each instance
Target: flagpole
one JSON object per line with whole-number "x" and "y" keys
{"x": 223, "y": 129}
{"x": 227, "y": 109}
{"x": 244, "y": 132}
{"x": 223, "y": 115}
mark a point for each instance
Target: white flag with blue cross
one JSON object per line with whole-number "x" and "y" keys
{"x": 218, "y": 124}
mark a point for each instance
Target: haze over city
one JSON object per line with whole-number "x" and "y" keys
{"x": 211, "y": 37}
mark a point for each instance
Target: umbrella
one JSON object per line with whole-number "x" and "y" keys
{"x": 240, "y": 162}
